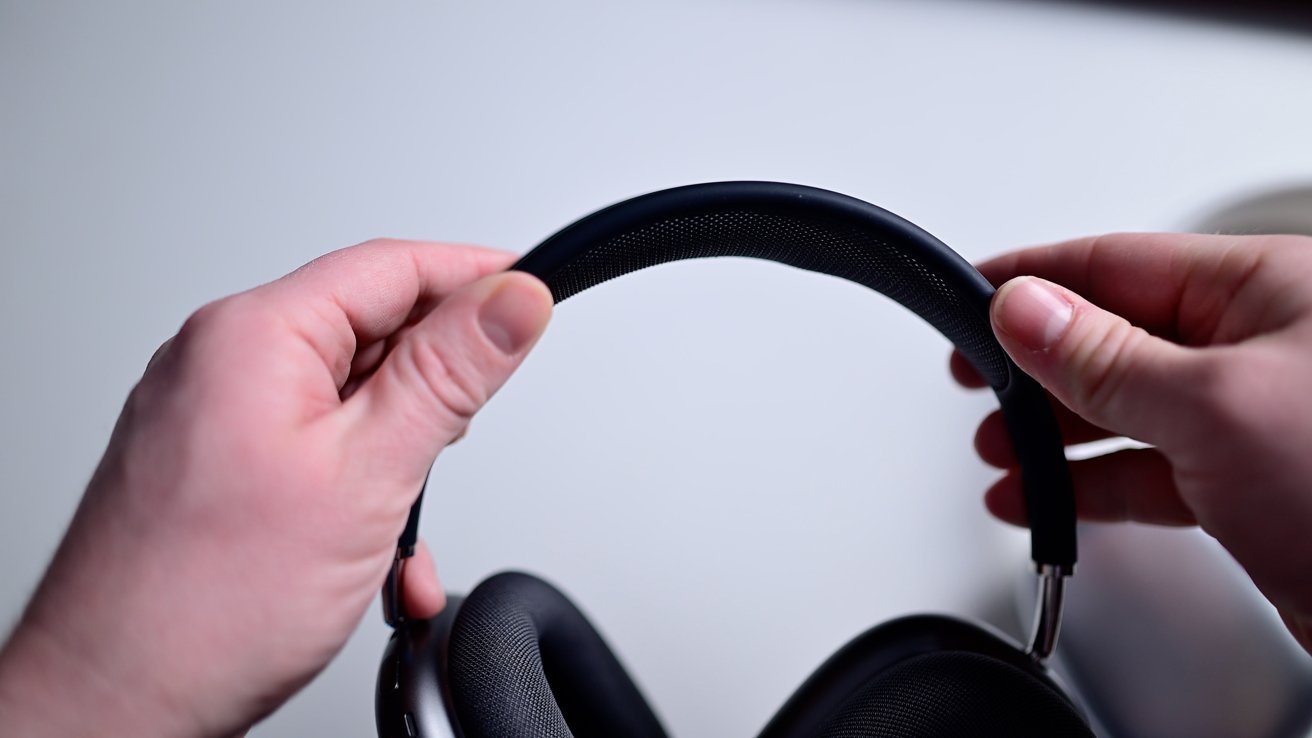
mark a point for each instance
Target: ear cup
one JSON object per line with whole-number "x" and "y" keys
{"x": 955, "y": 693}
{"x": 525, "y": 663}
{"x": 927, "y": 676}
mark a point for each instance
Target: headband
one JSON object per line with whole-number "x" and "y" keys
{"x": 833, "y": 234}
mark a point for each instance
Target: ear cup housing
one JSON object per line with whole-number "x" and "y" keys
{"x": 413, "y": 698}
{"x": 928, "y": 676}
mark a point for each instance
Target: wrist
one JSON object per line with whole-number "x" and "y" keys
{"x": 47, "y": 690}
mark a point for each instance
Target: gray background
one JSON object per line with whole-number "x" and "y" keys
{"x": 708, "y": 456}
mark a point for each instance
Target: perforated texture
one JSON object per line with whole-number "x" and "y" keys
{"x": 525, "y": 663}
{"x": 497, "y": 631}
{"x": 814, "y": 244}
{"x": 955, "y": 693}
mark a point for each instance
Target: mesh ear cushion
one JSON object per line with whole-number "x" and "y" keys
{"x": 928, "y": 675}
{"x": 525, "y": 663}
{"x": 955, "y": 693}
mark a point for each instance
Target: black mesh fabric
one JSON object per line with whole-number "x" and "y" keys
{"x": 525, "y": 663}
{"x": 814, "y": 244}
{"x": 955, "y": 693}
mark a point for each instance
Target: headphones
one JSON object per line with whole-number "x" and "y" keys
{"x": 516, "y": 659}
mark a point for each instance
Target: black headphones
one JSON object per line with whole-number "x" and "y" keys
{"x": 515, "y": 659}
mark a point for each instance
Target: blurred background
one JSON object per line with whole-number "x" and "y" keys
{"x": 734, "y": 467}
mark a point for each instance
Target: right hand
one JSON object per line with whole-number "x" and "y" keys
{"x": 1198, "y": 345}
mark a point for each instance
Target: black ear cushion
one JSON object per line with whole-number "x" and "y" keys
{"x": 525, "y": 663}
{"x": 955, "y": 693}
{"x": 928, "y": 675}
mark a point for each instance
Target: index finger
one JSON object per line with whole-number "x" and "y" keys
{"x": 375, "y": 284}
{"x": 364, "y": 293}
{"x": 1166, "y": 283}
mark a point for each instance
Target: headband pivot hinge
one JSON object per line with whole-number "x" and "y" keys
{"x": 393, "y": 610}
{"x": 1048, "y": 610}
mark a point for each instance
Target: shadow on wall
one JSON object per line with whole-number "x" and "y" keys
{"x": 1270, "y": 14}
{"x": 1279, "y": 210}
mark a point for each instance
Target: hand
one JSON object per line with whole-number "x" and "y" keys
{"x": 247, "y": 509}
{"x": 1198, "y": 345}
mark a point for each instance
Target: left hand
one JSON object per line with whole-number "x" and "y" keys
{"x": 248, "y": 506}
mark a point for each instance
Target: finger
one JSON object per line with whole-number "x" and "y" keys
{"x": 359, "y": 295}
{"x": 993, "y": 442}
{"x": 1130, "y": 485}
{"x": 1177, "y": 286}
{"x": 421, "y": 398}
{"x": 1096, "y": 363}
{"x": 421, "y": 590}
{"x": 964, "y": 372}
{"x": 367, "y": 358}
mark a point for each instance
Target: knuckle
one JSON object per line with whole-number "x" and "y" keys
{"x": 198, "y": 329}
{"x": 223, "y": 328}
{"x": 221, "y": 315}
{"x": 452, "y": 383}
{"x": 1102, "y": 361}
{"x": 201, "y": 321}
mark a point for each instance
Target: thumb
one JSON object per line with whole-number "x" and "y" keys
{"x": 447, "y": 367}
{"x": 1096, "y": 363}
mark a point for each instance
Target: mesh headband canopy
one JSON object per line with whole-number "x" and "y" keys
{"x": 818, "y": 231}
{"x": 825, "y": 232}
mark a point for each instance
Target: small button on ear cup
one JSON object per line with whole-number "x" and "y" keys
{"x": 525, "y": 663}
{"x": 955, "y": 693}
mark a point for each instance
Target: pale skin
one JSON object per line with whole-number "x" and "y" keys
{"x": 1198, "y": 345}
{"x": 247, "y": 508}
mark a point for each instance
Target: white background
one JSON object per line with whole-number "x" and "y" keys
{"x": 734, "y": 466}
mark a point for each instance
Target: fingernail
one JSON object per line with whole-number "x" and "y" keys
{"x": 1032, "y": 311}
{"x": 511, "y": 317}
